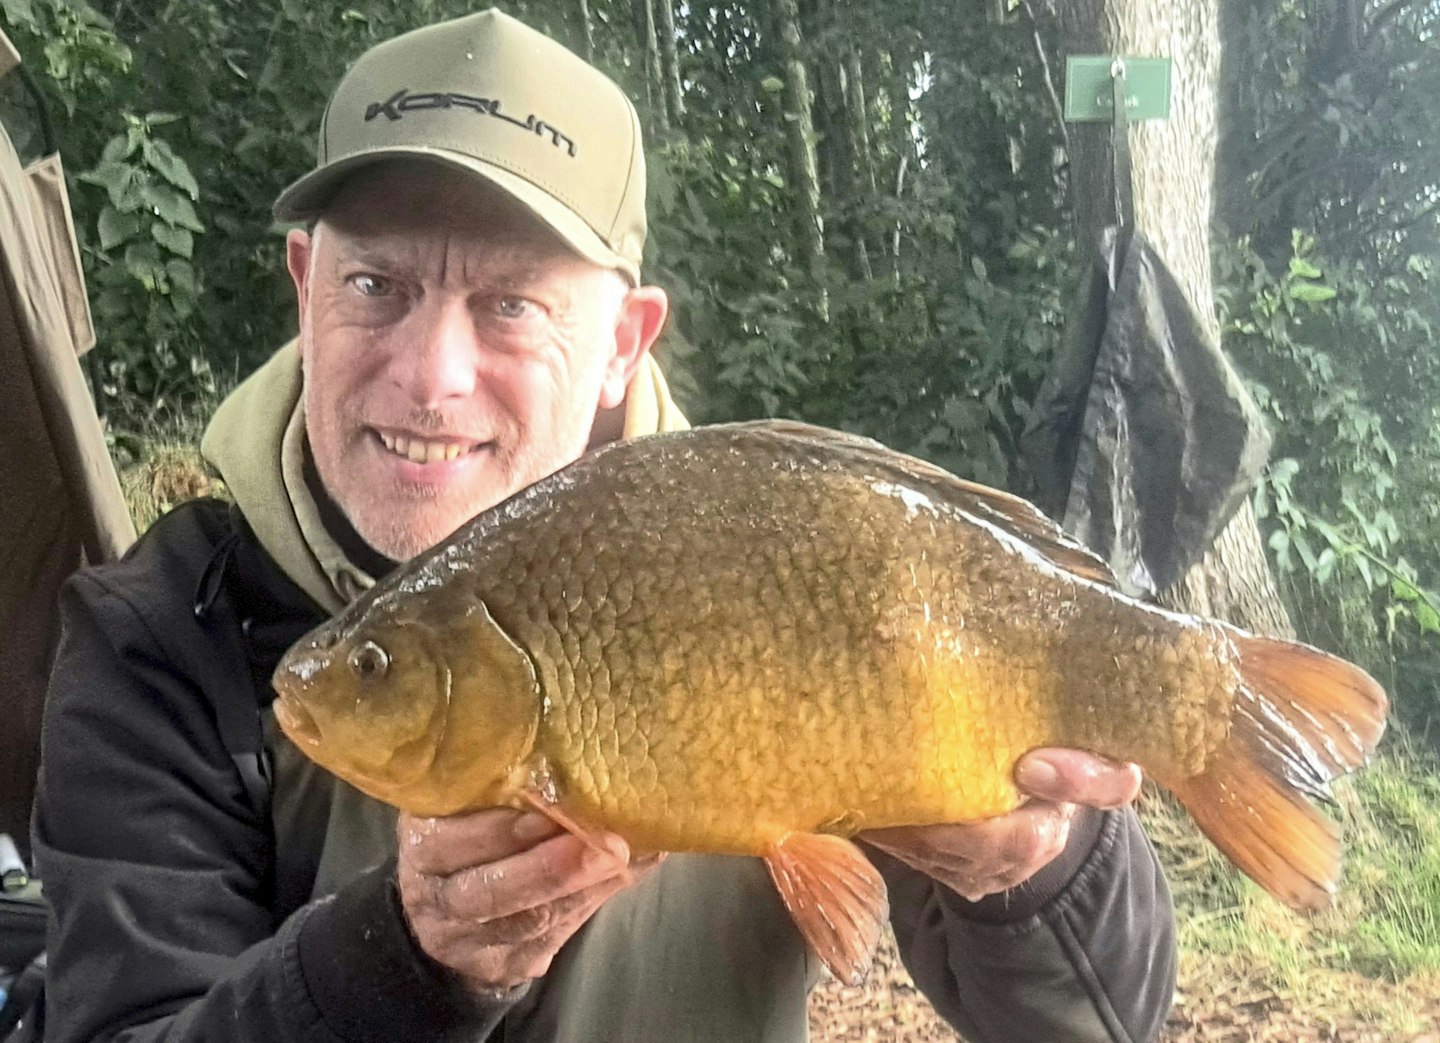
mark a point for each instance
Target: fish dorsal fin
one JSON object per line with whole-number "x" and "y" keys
{"x": 836, "y": 897}
{"x": 1005, "y": 511}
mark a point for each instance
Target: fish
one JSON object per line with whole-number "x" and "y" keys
{"x": 764, "y": 638}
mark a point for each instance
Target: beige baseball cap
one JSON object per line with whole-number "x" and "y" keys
{"x": 489, "y": 95}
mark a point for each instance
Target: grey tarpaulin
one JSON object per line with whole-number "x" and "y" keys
{"x": 1143, "y": 440}
{"x": 60, "y": 502}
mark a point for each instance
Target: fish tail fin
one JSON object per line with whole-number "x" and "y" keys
{"x": 1301, "y": 719}
{"x": 836, "y": 897}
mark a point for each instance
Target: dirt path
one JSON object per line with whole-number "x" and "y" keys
{"x": 1215, "y": 1004}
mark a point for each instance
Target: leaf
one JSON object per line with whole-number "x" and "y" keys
{"x": 1302, "y": 546}
{"x": 1279, "y": 542}
{"x": 1325, "y": 566}
{"x": 1262, "y": 501}
{"x": 182, "y": 278}
{"x": 1310, "y": 293}
{"x": 1303, "y": 269}
{"x": 173, "y": 207}
{"x": 176, "y": 240}
{"x": 1283, "y": 470}
{"x": 772, "y": 85}
{"x": 116, "y": 179}
{"x": 116, "y": 149}
{"x": 171, "y": 167}
{"x": 115, "y": 227}
{"x": 142, "y": 260}
{"x": 978, "y": 267}
{"x": 1427, "y": 618}
{"x": 20, "y": 12}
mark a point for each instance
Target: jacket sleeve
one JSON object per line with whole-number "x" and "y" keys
{"x": 1085, "y": 953}
{"x": 158, "y": 873}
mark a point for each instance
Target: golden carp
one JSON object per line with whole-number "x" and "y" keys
{"x": 764, "y": 638}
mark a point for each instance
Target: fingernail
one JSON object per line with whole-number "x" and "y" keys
{"x": 530, "y": 828}
{"x": 1036, "y": 776}
{"x": 612, "y": 852}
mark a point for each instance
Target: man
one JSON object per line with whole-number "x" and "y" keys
{"x": 471, "y": 318}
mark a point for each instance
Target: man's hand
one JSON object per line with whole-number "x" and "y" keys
{"x": 980, "y": 858}
{"x": 493, "y": 895}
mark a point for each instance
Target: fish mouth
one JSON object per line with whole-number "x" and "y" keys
{"x": 297, "y": 722}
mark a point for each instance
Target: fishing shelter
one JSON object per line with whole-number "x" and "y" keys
{"x": 60, "y": 502}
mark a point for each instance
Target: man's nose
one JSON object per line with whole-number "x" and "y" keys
{"x": 442, "y": 360}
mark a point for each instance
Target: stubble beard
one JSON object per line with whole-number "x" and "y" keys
{"x": 404, "y": 520}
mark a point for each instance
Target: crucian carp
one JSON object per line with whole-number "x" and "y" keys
{"x": 763, "y": 638}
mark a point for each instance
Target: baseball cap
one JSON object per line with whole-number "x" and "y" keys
{"x": 491, "y": 96}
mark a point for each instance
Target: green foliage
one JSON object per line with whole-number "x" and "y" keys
{"x": 948, "y": 256}
{"x": 1342, "y": 363}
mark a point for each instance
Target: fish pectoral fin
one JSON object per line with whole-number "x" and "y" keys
{"x": 836, "y": 897}
{"x": 535, "y": 800}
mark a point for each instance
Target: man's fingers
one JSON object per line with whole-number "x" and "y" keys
{"x": 555, "y": 920}
{"x": 1025, "y": 834}
{"x": 446, "y": 845}
{"x": 521, "y": 947}
{"x": 1072, "y": 776}
{"x": 552, "y": 870}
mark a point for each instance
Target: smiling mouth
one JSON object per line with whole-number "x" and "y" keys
{"x": 426, "y": 450}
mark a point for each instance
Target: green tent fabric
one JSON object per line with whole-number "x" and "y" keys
{"x": 61, "y": 506}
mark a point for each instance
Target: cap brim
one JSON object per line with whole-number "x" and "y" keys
{"x": 307, "y": 198}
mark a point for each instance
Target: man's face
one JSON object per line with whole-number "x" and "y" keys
{"x": 454, "y": 350}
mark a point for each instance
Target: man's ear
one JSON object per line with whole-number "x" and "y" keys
{"x": 637, "y": 327}
{"x": 299, "y": 246}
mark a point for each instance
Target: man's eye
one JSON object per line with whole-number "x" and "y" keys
{"x": 371, "y": 285}
{"x": 513, "y": 307}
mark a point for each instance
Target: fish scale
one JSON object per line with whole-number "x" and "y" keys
{"x": 763, "y": 638}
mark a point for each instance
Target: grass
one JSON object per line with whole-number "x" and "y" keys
{"x": 162, "y": 471}
{"x": 1373, "y": 958}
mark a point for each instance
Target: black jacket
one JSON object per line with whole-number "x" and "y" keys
{"x": 178, "y": 914}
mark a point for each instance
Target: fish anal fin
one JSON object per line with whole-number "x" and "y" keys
{"x": 836, "y": 897}
{"x": 1301, "y": 718}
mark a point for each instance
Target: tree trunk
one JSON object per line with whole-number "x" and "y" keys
{"x": 587, "y": 31}
{"x": 859, "y": 119}
{"x": 800, "y": 130}
{"x": 902, "y": 144}
{"x": 654, "y": 88}
{"x": 1174, "y": 175}
{"x": 670, "y": 61}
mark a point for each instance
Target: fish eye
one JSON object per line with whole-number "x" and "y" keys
{"x": 369, "y": 661}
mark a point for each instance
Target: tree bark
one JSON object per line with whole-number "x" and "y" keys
{"x": 902, "y": 145}
{"x": 859, "y": 111}
{"x": 654, "y": 88}
{"x": 670, "y": 61}
{"x": 1173, "y": 175}
{"x": 587, "y": 31}
{"x": 800, "y": 131}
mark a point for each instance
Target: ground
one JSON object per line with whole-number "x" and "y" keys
{"x": 1215, "y": 1004}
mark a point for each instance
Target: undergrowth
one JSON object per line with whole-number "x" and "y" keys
{"x": 1381, "y": 931}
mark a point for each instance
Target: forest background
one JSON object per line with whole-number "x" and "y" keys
{"x": 865, "y": 215}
